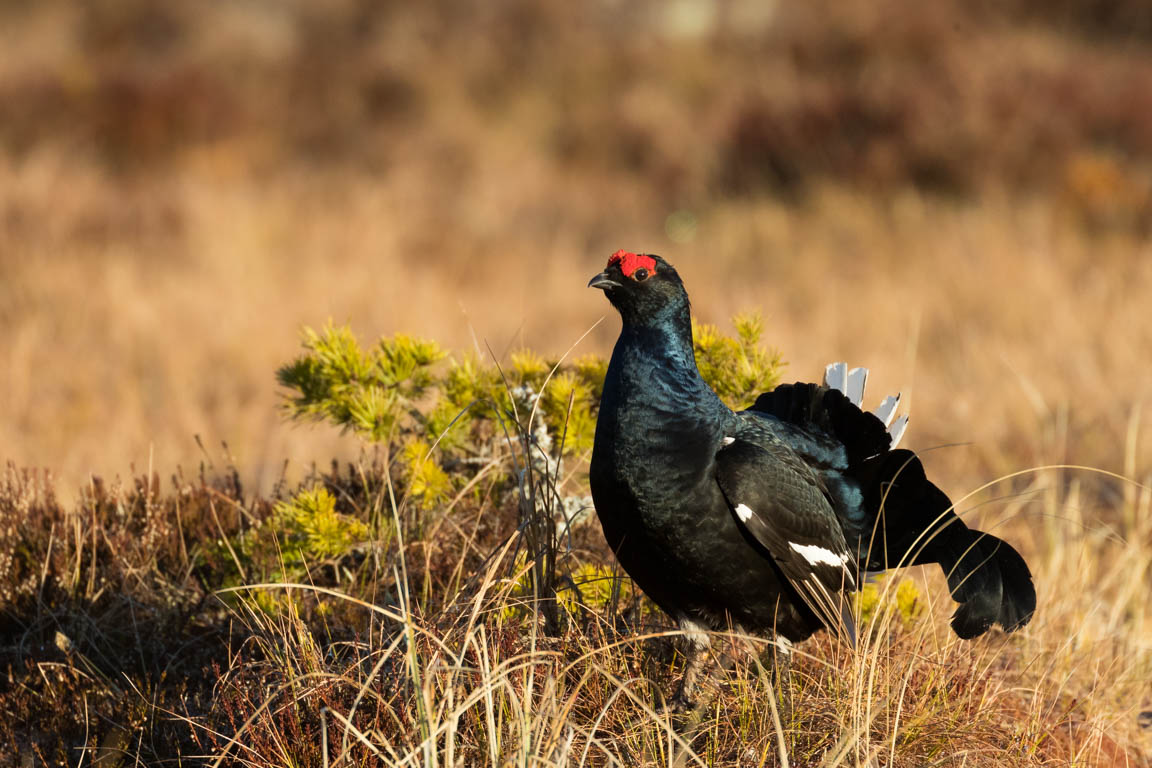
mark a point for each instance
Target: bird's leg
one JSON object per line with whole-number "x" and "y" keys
{"x": 782, "y": 676}
{"x": 700, "y": 657}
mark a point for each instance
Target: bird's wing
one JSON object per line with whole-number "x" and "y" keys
{"x": 778, "y": 499}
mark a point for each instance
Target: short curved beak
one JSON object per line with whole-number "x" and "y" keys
{"x": 603, "y": 282}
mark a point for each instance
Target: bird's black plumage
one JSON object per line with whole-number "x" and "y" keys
{"x": 764, "y": 519}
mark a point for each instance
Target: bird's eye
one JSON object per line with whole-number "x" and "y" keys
{"x": 640, "y": 275}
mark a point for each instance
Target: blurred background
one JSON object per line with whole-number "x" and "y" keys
{"x": 957, "y": 194}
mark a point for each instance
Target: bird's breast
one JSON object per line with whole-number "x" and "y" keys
{"x": 648, "y": 458}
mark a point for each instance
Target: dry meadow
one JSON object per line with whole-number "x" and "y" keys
{"x": 956, "y": 195}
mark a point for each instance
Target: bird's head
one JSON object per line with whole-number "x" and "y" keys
{"x": 643, "y": 287}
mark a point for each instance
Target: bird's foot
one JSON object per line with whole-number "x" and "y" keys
{"x": 691, "y": 701}
{"x": 680, "y": 705}
{"x": 686, "y": 715}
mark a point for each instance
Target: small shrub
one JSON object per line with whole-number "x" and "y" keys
{"x": 908, "y": 605}
{"x": 366, "y": 392}
{"x": 738, "y": 368}
{"x": 405, "y": 389}
{"x": 312, "y": 528}
{"x": 599, "y": 588}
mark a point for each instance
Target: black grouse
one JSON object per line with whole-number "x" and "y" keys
{"x": 765, "y": 519}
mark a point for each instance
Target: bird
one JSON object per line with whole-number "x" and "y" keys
{"x": 766, "y": 520}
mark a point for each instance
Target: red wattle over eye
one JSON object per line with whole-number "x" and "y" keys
{"x": 630, "y": 262}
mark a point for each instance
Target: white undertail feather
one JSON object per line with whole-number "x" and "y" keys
{"x": 852, "y": 383}
{"x": 857, "y": 378}
{"x": 897, "y": 430}
{"x": 836, "y": 376}
{"x": 886, "y": 411}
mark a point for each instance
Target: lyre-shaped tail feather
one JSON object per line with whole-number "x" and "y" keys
{"x": 916, "y": 524}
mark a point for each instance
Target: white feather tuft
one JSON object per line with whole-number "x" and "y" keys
{"x": 836, "y": 376}
{"x": 852, "y": 384}
{"x": 857, "y": 379}
{"x": 695, "y": 632}
{"x": 886, "y": 411}
{"x": 744, "y": 512}
{"x": 897, "y": 430}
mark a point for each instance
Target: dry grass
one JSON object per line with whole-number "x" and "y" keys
{"x": 1001, "y": 320}
{"x": 123, "y": 640}
{"x": 957, "y": 197}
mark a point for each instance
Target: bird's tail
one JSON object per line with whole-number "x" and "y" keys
{"x": 905, "y": 519}
{"x": 916, "y": 524}
{"x": 989, "y": 579}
